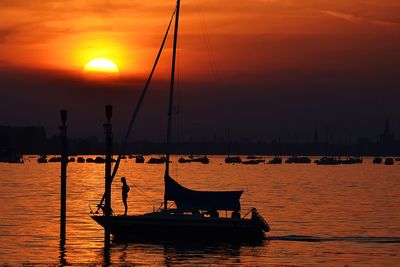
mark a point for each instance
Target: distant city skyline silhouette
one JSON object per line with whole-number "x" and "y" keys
{"x": 34, "y": 140}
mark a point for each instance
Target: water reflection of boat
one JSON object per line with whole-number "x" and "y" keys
{"x": 196, "y": 213}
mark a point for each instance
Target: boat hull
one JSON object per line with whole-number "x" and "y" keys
{"x": 156, "y": 226}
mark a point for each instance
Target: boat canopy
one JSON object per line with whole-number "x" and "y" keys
{"x": 190, "y": 200}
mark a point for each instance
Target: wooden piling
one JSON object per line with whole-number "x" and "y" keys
{"x": 108, "y": 178}
{"x": 64, "y": 163}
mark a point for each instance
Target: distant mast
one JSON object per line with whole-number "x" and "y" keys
{"x": 171, "y": 98}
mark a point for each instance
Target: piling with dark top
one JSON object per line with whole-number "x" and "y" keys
{"x": 64, "y": 162}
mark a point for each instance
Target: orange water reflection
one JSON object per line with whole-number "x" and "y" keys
{"x": 338, "y": 206}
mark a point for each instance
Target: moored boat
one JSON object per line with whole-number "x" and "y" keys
{"x": 275, "y": 160}
{"x": 196, "y": 213}
{"x": 233, "y": 159}
{"x": 300, "y": 160}
{"x": 389, "y": 161}
{"x": 328, "y": 161}
{"x": 253, "y": 161}
{"x": 377, "y": 160}
{"x": 42, "y": 159}
{"x": 160, "y": 160}
{"x": 139, "y": 159}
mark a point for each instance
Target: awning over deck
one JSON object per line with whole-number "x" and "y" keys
{"x": 189, "y": 200}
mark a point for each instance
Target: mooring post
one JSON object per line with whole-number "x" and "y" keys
{"x": 64, "y": 162}
{"x": 108, "y": 144}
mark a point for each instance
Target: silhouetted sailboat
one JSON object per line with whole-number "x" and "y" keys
{"x": 139, "y": 159}
{"x": 230, "y": 159}
{"x": 196, "y": 214}
{"x": 253, "y": 161}
{"x": 377, "y": 160}
{"x": 160, "y": 160}
{"x": 328, "y": 161}
{"x": 298, "y": 160}
{"x": 203, "y": 160}
{"x": 275, "y": 160}
{"x": 389, "y": 161}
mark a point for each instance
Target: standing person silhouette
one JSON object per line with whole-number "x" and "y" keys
{"x": 125, "y": 190}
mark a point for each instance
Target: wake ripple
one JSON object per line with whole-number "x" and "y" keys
{"x": 358, "y": 239}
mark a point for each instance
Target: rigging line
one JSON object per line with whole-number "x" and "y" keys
{"x": 177, "y": 108}
{"x": 137, "y": 108}
{"x": 144, "y": 197}
{"x": 207, "y": 42}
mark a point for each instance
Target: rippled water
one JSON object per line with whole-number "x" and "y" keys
{"x": 335, "y": 215}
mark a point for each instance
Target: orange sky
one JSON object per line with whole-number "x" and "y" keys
{"x": 313, "y": 62}
{"x": 217, "y": 37}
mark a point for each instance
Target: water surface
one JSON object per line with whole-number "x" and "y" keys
{"x": 337, "y": 215}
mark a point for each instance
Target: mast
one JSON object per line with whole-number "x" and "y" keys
{"x": 171, "y": 97}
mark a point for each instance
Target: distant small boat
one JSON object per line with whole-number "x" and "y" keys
{"x": 301, "y": 160}
{"x": 253, "y": 161}
{"x": 89, "y": 160}
{"x": 203, "y": 160}
{"x": 328, "y": 161}
{"x": 72, "y": 159}
{"x": 377, "y": 160}
{"x": 10, "y": 157}
{"x": 352, "y": 160}
{"x": 42, "y": 159}
{"x": 183, "y": 160}
{"x": 99, "y": 160}
{"x": 389, "y": 161}
{"x": 160, "y": 160}
{"x": 80, "y": 160}
{"x": 55, "y": 159}
{"x": 275, "y": 160}
{"x": 139, "y": 159}
{"x": 233, "y": 159}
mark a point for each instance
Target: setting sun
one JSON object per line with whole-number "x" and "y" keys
{"x": 101, "y": 65}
